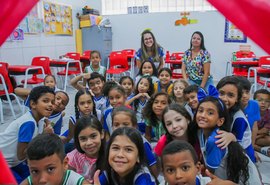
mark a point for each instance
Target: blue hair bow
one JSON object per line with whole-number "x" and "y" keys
{"x": 212, "y": 91}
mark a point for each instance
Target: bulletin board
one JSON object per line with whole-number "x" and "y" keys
{"x": 233, "y": 34}
{"x": 57, "y": 18}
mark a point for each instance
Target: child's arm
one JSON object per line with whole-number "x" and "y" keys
{"x": 21, "y": 150}
{"x": 148, "y": 133}
{"x": 225, "y": 138}
{"x": 22, "y": 92}
{"x": 215, "y": 180}
{"x": 70, "y": 133}
{"x": 128, "y": 102}
{"x": 75, "y": 81}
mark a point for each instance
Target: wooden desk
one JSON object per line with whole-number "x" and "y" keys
{"x": 25, "y": 70}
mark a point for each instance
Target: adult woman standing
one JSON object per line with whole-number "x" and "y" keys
{"x": 150, "y": 50}
{"x": 196, "y": 62}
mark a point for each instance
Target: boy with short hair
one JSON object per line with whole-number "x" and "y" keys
{"x": 262, "y": 143}
{"x": 95, "y": 82}
{"x": 48, "y": 163}
{"x": 191, "y": 98}
{"x": 250, "y": 107}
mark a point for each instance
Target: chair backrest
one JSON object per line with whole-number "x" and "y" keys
{"x": 177, "y": 55}
{"x": 7, "y": 81}
{"x": 87, "y": 53}
{"x": 73, "y": 55}
{"x": 119, "y": 58}
{"x": 245, "y": 54}
{"x": 44, "y": 62}
{"x": 264, "y": 60}
{"x": 130, "y": 52}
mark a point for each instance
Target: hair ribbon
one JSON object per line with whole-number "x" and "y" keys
{"x": 212, "y": 91}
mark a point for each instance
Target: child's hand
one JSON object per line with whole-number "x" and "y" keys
{"x": 225, "y": 138}
{"x": 96, "y": 178}
{"x": 47, "y": 126}
{"x": 86, "y": 76}
{"x": 146, "y": 95}
{"x": 215, "y": 180}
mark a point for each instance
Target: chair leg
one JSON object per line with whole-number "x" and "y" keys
{"x": 1, "y": 113}
{"x": 18, "y": 102}
{"x": 10, "y": 105}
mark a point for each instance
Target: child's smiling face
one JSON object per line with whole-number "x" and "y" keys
{"x": 180, "y": 168}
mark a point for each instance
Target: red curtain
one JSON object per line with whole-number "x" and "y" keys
{"x": 11, "y": 14}
{"x": 251, "y": 16}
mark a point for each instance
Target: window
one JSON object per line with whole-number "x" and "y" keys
{"x": 113, "y": 7}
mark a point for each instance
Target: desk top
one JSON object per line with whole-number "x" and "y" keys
{"x": 173, "y": 61}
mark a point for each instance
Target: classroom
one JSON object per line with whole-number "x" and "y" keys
{"x": 197, "y": 59}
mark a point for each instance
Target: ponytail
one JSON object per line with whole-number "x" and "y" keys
{"x": 237, "y": 163}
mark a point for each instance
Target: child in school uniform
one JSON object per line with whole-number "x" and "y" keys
{"x": 147, "y": 68}
{"x": 262, "y": 143}
{"x": 164, "y": 84}
{"x": 48, "y": 163}
{"x": 95, "y": 65}
{"x": 127, "y": 83}
{"x": 95, "y": 82}
{"x": 190, "y": 95}
{"x": 125, "y": 117}
{"x": 15, "y": 138}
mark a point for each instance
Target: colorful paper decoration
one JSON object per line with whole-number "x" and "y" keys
{"x": 185, "y": 20}
{"x": 57, "y": 18}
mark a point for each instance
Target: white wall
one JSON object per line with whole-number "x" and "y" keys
{"x": 22, "y": 52}
{"x": 127, "y": 29}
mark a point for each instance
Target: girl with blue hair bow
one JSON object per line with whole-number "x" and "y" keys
{"x": 230, "y": 163}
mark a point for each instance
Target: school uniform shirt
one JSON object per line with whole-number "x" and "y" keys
{"x": 252, "y": 112}
{"x": 107, "y": 120}
{"x": 73, "y": 120}
{"x": 138, "y": 77}
{"x": 102, "y": 103}
{"x": 143, "y": 177}
{"x": 82, "y": 164}
{"x": 139, "y": 116}
{"x": 56, "y": 121}
{"x": 158, "y": 130}
{"x": 199, "y": 180}
{"x": 20, "y": 130}
{"x": 70, "y": 178}
{"x": 212, "y": 154}
{"x": 190, "y": 111}
{"x": 150, "y": 157}
{"x": 101, "y": 70}
{"x": 168, "y": 90}
{"x": 130, "y": 96}
{"x": 241, "y": 129}
{"x": 254, "y": 177}
{"x": 161, "y": 54}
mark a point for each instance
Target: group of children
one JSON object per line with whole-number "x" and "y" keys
{"x": 127, "y": 132}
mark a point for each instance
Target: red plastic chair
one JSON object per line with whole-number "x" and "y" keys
{"x": 85, "y": 59}
{"x": 131, "y": 60}
{"x": 7, "y": 90}
{"x": 175, "y": 68}
{"x": 43, "y": 62}
{"x": 71, "y": 70}
{"x": 117, "y": 63}
{"x": 261, "y": 73}
{"x": 241, "y": 65}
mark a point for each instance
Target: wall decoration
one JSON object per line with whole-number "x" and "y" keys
{"x": 233, "y": 34}
{"x": 57, "y": 18}
{"x": 185, "y": 20}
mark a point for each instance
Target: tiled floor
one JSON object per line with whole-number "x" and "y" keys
{"x": 8, "y": 118}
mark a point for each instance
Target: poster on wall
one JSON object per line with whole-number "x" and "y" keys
{"x": 233, "y": 34}
{"x": 32, "y": 23}
{"x": 57, "y": 18}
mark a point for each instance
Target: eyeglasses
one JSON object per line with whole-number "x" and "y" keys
{"x": 263, "y": 101}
